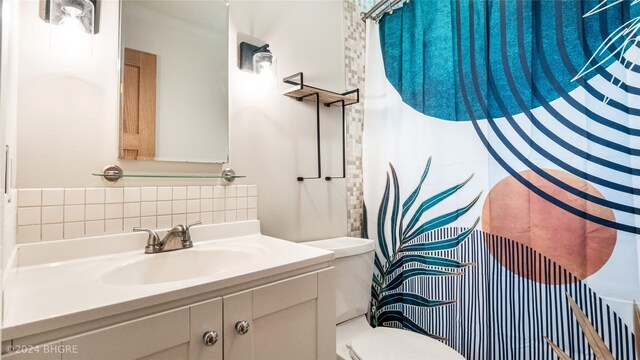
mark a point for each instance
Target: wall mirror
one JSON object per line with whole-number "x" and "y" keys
{"x": 174, "y": 80}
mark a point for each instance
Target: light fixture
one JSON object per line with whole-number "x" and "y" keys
{"x": 75, "y": 15}
{"x": 256, "y": 59}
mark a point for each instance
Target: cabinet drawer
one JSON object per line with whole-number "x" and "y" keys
{"x": 133, "y": 339}
{"x": 284, "y": 294}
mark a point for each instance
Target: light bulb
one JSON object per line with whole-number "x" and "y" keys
{"x": 69, "y": 37}
{"x": 263, "y": 67}
{"x": 71, "y": 21}
{"x": 262, "y": 61}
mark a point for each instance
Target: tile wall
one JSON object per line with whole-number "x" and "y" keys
{"x": 54, "y": 214}
{"x": 354, "y": 49}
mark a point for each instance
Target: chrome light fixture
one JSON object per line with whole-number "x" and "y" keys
{"x": 77, "y": 14}
{"x": 256, "y": 59}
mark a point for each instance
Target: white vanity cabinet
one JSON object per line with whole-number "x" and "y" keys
{"x": 287, "y": 319}
{"x": 291, "y": 319}
{"x": 174, "y": 334}
{"x": 171, "y": 335}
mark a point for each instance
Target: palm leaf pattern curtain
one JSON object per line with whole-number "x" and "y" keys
{"x": 501, "y": 162}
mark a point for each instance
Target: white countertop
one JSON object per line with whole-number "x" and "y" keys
{"x": 63, "y": 283}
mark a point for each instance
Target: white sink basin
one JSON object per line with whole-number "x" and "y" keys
{"x": 178, "y": 265}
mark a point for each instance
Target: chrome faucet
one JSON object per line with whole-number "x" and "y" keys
{"x": 169, "y": 241}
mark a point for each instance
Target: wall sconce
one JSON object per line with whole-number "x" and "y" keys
{"x": 80, "y": 15}
{"x": 257, "y": 59}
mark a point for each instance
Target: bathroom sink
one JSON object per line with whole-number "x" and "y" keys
{"x": 178, "y": 265}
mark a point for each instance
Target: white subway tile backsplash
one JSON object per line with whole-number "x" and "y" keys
{"x": 28, "y": 233}
{"x": 94, "y": 196}
{"x": 165, "y": 193}
{"x": 218, "y": 191}
{"x": 231, "y": 191}
{"x": 193, "y": 192}
{"x": 241, "y": 215}
{"x": 94, "y": 228}
{"x": 164, "y": 207}
{"x": 164, "y": 221}
{"x": 113, "y": 211}
{"x": 29, "y": 197}
{"x": 73, "y": 230}
{"x": 114, "y": 195}
{"x": 131, "y": 210}
{"x": 241, "y": 203}
{"x": 230, "y": 215}
{"x": 29, "y": 216}
{"x": 148, "y": 208}
{"x": 178, "y": 219}
{"x": 52, "y": 197}
{"x": 193, "y": 217}
{"x": 193, "y": 206}
{"x": 148, "y": 222}
{"x": 74, "y": 196}
{"x": 206, "y": 192}
{"x": 148, "y": 194}
{"x": 73, "y": 213}
{"x": 206, "y": 217}
{"x": 218, "y": 217}
{"x": 52, "y": 214}
{"x": 113, "y": 226}
{"x": 131, "y": 194}
{"x": 94, "y": 212}
{"x": 52, "y": 231}
{"x": 230, "y": 203}
{"x": 130, "y": 223}
{"x": 206, "y": 205}
{"x": 218, "y": 204}
{"x": 179, "y": 193}
{"x": 179, "y": 207}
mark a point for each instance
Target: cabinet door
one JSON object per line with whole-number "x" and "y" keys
{"x": 205, "y": 317}
{"x": 135, "y": 339}
{"x": 291, "y": 319}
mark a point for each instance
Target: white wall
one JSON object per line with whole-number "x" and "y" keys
{"x": 192, "y": 107}
{"x": 68, "y": 126}
{"x": 272, "y": 136}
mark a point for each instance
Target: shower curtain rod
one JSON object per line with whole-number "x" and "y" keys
{"x": 374, "y": 12}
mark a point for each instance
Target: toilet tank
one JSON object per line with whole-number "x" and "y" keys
{"x": 353, "y": 268}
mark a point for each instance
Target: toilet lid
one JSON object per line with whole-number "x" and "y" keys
{"x": 388, "y": 343}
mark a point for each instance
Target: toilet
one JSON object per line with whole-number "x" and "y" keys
{"x": 355, "y": 338}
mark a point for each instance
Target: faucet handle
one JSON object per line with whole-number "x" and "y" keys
{"x": 152, "y": 241}
{"x": 186, "y": 238}
{"x": 192, "y": 224}
{"x": 152, "y": 233}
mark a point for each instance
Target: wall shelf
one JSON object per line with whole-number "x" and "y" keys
{"x": 302, "y": 91}
{"x": 328, "y": 98}
{"x": 113, "y": 173}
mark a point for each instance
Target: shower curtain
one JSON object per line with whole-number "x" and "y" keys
{"x": 501, "y": 175}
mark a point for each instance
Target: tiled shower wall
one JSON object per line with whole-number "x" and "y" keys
{"x": 354, "y": 46}
{"x": 54, "y": 214}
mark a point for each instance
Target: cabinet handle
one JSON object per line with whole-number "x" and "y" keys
{"x": 210, "y": 338}
{"x": 242, "y": 327}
